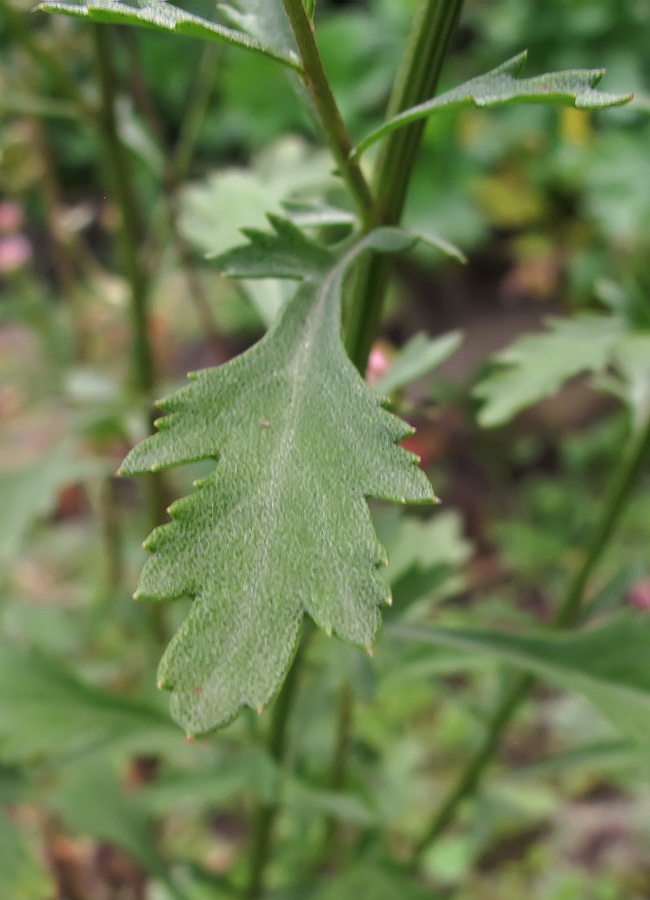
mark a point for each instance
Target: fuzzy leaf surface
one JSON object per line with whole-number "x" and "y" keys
{"x": 163, "y": 16}
{"x": 281, "y": 527}
{"x": 503, "y": 87}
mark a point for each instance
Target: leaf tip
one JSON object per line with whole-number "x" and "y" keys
{"x": 328, "y": 632}
{"x": 260, "y": 710}
{"x": 136, "y": 595}
{"x": 190, "y": 738}
{"x": 370, "y": 651}
{"x": 389, "y": 600}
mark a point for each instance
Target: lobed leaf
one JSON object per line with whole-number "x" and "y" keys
{"x": 163, "y": 16}
{"x": 607, "y": 664}
{"x": 537, "y": 365}
{"x": 502, "y": 87}
{"x": 281, "y": 527}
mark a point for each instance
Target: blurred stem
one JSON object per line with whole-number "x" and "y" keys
{"x": 111, "y": 536}
{"x": 172, "y": 177}
{"x": 199, "y": 98}
{"x": 63, "y": 250}
{"x": 336, "y": 134}
{"x": 568, "y": 613}
{"x": 417, "y": 79}
{"x": 339, "y": 764}
{"x": 265, "y": 813}
{"x": 129, "y": 236}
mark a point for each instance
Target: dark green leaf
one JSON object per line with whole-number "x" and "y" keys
{"x": 281, "y": 527}
{"x": 164, "y": 16}
{"x": 607, "y": 664}
{"x": 502, "y": 87}
{"x": 288, "y": 253}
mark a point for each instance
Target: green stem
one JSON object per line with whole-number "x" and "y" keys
{"x": 129, "y": 236}
{"x": 417, "y": 80}
{"x": 338, "y": 767}
{"x": 336, "y": 133}
{"x": 265, "y": 814}
{"x": 198, "y": 101}
{"x": 568, "y": 613}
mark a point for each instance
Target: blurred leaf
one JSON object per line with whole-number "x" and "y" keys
{"x": 537, "y": 365}
{"x": 243, "y": 771}
{"x": 45, "y": 709}
{"x": 30, "y": 493}
{"x": 303, "y": 798}
{"x": 24, "y": 877}
{"x": 302, "y": 440}
{"x": 372, "y": 879}
{"x": 162, "y": 16}
{"x": 502, "y": 87}
{"x": 93, "y": 801}
{"x": 417, "y": 357}
{"x": 608, "y": 664}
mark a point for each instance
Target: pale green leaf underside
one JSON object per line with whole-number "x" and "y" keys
{"x": 163, "y": 16}
{"x": 281, "y": 527}
{"x": 502, "y": 87}
{"x": 537, "y": 365}
{"x": 607, "y": 664}
{"x": 264, "y": 20}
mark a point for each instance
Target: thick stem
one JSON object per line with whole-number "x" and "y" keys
{"x": 327, "y": 110}
{"x": 568, "y": 613}
{"x": 266, "y": 813}
{"x": 417, "y": 80}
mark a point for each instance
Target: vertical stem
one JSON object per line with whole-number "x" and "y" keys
{"x": 266, "y": 813}
{"x": 417, "y": 80}
{"x": 129, "y": 236}
{"x": 338, "y": 768}
{"x": 336, "y": 134}
{"x": 568, "y": 613}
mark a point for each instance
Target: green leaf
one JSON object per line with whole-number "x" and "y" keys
{"x": 374, "y": 879}
{"x": 264, "y": 20}
{"x": 31, "y": 492}
{"x": 537, "y": 365}
{"x": 502, "y": 87}
{"x": 281, "y": 527}
{"x": 607, "y": 664}
{"x": 417, "y": 357}
{"x": 288, "y": 253}
{"x": 24, "y": 877}
{"x": 163, "y": 16}
{"x": 46, "y": 710}
{"x": 92, "y": 801}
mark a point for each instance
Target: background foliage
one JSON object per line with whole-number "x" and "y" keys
{"x": 104, "y": 798}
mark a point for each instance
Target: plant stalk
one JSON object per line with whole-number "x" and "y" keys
{"x": 129, "y": 236}
{"x": 336, "y": 134}
{"x": 568, "y": 613}
{"x": 265, "y": 814}
{"x": 433, "y": 28}
{"x": 339, "y": 764}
